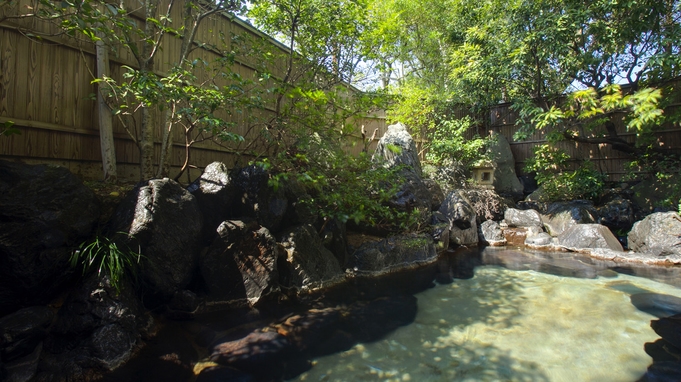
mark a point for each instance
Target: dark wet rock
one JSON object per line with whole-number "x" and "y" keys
{"x": 436, "y": 193}
{"x": 45, "y": 212}
{"x": 22, "y": 331}
{"x": 667, "y": 371}
{"x": 488, "y": 205}
{"x": 659, "y": 305}
{"x": 669, "y": 328}
{"x": 223, "y": 374}
{"x": 183, "y": 305}
{"x": 334, "y": 238}
{"x": 412, "y": 195}
{"x": 397, "y": 147}
{"x": 505, "y": 178}
{"x": 249, "y": 354}
{"x": 529, "y": 184}
{"x": 617, "y": 214}
{"x": 522, "y": 218}
{"x": 658, "y": 234}
{"x": 306, "y": 263}
{"x": 97, "y": 328}
{"x": 563, "y": 215}
{"x": 241, "y": 264}
{"x": 587, "y": 236}
{"x": 440, "y": 231}
{"x": 458, "y": 209}
{"x": 215, "y": 193}
{"x": 24, "y": 369}
{"x": 307, "y": 330}
{"x": 540, "y": 207}
{"x": 539, "y": 240}
{"x": 163, "y": 220}
{"x": 538, "y": 196}
{"x": 491, "y": 234}
{"x": 258, "y": 200}
{"x": 393, "y": 254}
{"x": 301, "y": 208}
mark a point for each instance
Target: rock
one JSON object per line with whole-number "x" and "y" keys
{"x": 301, "y": 208}
{"x": 183, "y": 305}
{"x": 307, "y": 264}
{"x": 24, "y": 369}
{"x": 538, "y": 196}
{"x": 562, "y": 215}
{"x": 488, "y": 205}
{"x": 215, "y": 193}
{"x": 397, "y": 147}
{"x": 250, "y": 353}
{"x": 163, "y": 220}
{"x": 45, "y": 212}
{"x": 505, "y": 179}
{"x": 393, "y": 254}
{"x": 522, "y": 218}
{"x": 22, "y": 331}
{"x": 436, "y": 193}
{"x": 440, "y": 231}
{"x": 659, "y": 305}
{"x": 541, "y": 239}
{"x": 334, "y": 238}
{"x": 658, "y": 234}
{"x": 568, "y": 268}
{"x": 617, "y": 214}
{"x": 586, "y": 236}
{"x": 241, "y": 263}
{"x": 307, "y": 330}
{"x": 517, "y": 236}
{"x": 458, "y": 209}
{"x": 491, "y": 234}
{"x": 97, "y": 328}
{"x": 529, "y": 184}
{"x": 413, "y": 195}
{"x": 258, "y": 200}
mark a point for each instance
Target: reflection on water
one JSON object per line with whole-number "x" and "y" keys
{"x": 518, "y": 325}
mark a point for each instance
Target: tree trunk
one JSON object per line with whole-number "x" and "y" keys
{"x": 147, "y": 145}
{"x": 166, "y": 145}
{"x": 106, "y": 138}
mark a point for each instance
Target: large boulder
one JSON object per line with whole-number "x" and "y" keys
{"x": 488, "y": 205}
{"x": 241, "y": 264}
{"x": 163, "y": 220}
{"x": 22, "y": 331}
{"x": 215, "y": 193}
{"x": 306, "y": 263}
{"x": 45, "y": 212}
{"x": 393, "y": 254}
{"x": 522, "y": 218}
{"x": 658, "y": 234}
{"x": 589, "y": 236}
{"x": 436, "y": 193}
{"x": 458, "y": 209}
{"x": 397, "y": 147}
{"x": 563, "y": 215}
{"x": 505, "y": 179}
{"x": 413, "y": 195}
{"x": 98, "y": 327}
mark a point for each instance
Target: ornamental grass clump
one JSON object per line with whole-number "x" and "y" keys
{"x": 108, "y": 258}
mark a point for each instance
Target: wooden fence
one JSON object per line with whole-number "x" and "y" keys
{"x": 46, "y": 90}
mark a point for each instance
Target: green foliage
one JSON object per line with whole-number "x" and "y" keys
{"x": 448, "y": 142}
{"x": 550, "y": 166}
{"x": 346, "y": 188}
{"x": 108, "y": 258}
{"x": 8, "y": 128}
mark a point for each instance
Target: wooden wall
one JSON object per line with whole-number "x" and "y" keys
{"x": 46, "y": 90}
